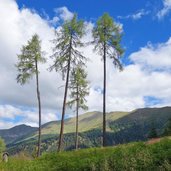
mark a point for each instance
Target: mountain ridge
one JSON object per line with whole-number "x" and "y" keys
{"x": 122, "y": 127}
{"x": 12, "y": 134}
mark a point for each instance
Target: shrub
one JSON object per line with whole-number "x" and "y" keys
{"x": 131, "y": 157}
{"x": 2, "y": 145}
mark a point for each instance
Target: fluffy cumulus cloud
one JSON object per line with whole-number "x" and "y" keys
{"x": 148, "y": 77}
{"x": 165, "y": 10}
{"x": 154, "y": 56}
{"x": 15, "y": 115}
{"x": 64, "y": 13}
{"x": 17, "y": 26}
{"x": 61, "y": 13}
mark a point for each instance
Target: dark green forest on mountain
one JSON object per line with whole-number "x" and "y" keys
{"x": 122, "y": 128}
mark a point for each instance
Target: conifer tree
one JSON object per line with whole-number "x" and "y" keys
{"x": 78, "y": 91}
{"x": 31, "y": 55}
{"x": 67, "y": 56}
{"x": 107, "y": 40}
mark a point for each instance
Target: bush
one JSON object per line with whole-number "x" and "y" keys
{"x": 131, "y": 157}
{"x": 2, "y": 145}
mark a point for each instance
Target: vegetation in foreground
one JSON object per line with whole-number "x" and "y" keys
{"x": 133, "y": 156}
{"x": 122, "y": 128}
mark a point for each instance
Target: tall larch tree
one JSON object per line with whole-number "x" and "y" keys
{"x": 78, "y": 91}
{"x": 107, "y": 40}
{"x": 67, "y": 56}
{"x": 27, "y": 66}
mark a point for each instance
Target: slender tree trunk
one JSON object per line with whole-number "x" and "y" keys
{"x": 77, "y": 107}
{"x": 64, "y": 101}
{"x": 39, "y": 104}
{"x": 104, "y": 98}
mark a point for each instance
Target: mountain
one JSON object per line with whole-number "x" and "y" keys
{"x": 137, "y": 125}
{"x": 122, "y": 127}
{"x": 87, "y": 121}
{"x": 17, "y": 132}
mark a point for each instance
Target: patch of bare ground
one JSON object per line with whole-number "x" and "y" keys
{"x": 153, "y": 140}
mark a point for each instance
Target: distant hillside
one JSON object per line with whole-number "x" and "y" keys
{"x": 122, "y": 127}
{"x": 17, "y": 132}
{"x": 137, "y": 125}
{"x": 87, "y": 122}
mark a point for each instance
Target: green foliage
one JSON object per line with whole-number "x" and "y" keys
{"x": 167, "y": 130}
{"x": 67, "y": 40}
{"x": 130, "y": 157}
{"x": 30, "y": 55}
{"x": 67, "y": 57}
{"x": 122, "y": 127}
{"x": 107, "y": 34}
{"x": 79, "y": 88}
{"x": 153, "y": 133}
{"x": 27, "y": 66}
{"x": 2, "y": 145}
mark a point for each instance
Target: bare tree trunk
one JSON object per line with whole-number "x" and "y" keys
{"x": 39, "y": 104}
{"x": 77, "y": 107}
{"x": 64, "y": 101}
{"x": 104, "y": 98}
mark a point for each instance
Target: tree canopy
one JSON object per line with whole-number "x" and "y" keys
{"x": 107, "y": 34}
{"x": 27, "y": 60}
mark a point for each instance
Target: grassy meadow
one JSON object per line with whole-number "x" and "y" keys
{"x": 129, "y": 157}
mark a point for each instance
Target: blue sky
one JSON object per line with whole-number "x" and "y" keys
{"x": 137, "y": 32}
{"x": 145, "y": 81}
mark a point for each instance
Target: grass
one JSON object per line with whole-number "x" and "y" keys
{"x": 87, "y": 121}
{"x": 130, "y": 157}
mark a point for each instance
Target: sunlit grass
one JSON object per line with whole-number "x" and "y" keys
{"x": 133, "y": 156}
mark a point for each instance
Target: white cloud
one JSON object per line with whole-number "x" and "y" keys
{"x": 165, "y": 10}
{"x": 154, "y": 56}
{"x": 125, "y": 90}
{"x": 54, "y": 21}
{"x": 61, "y": 14}
{"x": 10, "y": 111}
{"x": 64, "y": 13}
{"x": 136, "y": 16}
{"x": 6, "y": 125}
{"x": 27, "y": 116}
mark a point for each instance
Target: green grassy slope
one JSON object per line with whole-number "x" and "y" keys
{"x": 116, "y": 121}
{"x": 128, "y": 157}
{"x": 87, "y": 121}
{"x": 122, "y": 128}
{"x": 137, "y": 124}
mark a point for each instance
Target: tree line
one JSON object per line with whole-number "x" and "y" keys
{"x": 68, "y": 60}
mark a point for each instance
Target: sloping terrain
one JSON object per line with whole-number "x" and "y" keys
{"x": 137, "y": 125}
{"x": 122, "y": 127}
{"x": 137, "y": 156}
{"x": 87, "y": 122}
{"x": 17, "y": 132}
